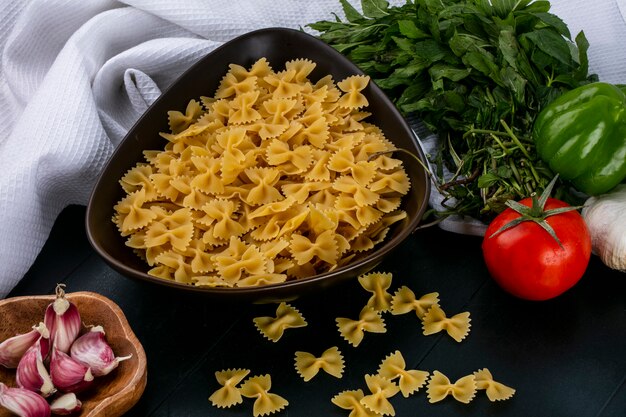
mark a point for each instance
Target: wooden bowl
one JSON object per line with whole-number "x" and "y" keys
{"x": 278, "y": 45}
{"x": 111, "y": 395}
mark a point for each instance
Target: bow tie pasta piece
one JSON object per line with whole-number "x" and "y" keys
{"x": 352, "y": 86}
{"x": 179, "y": 121}
{"x": 409, "y": 381}
{"x": 274, "y": 327}
{"x": 283, "y": 84}
{"x": 232, "y": 269}
{"x": 175, "y": 229}
{"x": 343, "y": 161}
{"x": 176, "y": 262}
{"x": 439, "y": 387}
{"x": 131, "y": 215}
{"x": 228, "y": 395}
{"x": 495, "y": 391}
{"x": 242, "y": 110}
{"x": 381, "y": 389}
{"x": 362, "y": 195}
{"x": 302, "y": 67}
{"x": 404, "y": 301}
{"x": 377, "y": 283}
{"x": 137, "y": 178}
{"x": 219, "y": 213}
{"x": 207, "y": 179}
{"x": 266, "y": 402}
{"x": 263, "y": 190}
{"x": 294, "y": 161}
{"x": 319, "y": 170}
{"x": 351, "y": 400}
{"x": 369, "y": 320}
{"x": 231, "y": 86}
{"x": 435, "y": 320}
{"x": 323, "y": 247}
{"x": 308, "y": 365}
{"x": 261, "y": 279}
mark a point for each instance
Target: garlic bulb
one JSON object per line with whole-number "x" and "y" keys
{"x": 13, "y": 348}
{"x": 23, "y": 402}
{"x": 63, "y": 321}
{"x": 605, "y": 216}
{"x": 92, "y": 350}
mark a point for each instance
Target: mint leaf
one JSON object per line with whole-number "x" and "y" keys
{"x": 410, "y": 30}
{"x": 375, "y": 8}
{"x": 351, "y": 13}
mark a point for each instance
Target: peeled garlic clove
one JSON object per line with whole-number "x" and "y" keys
{"x": 68, "y": 374}
{"x": 23, "y": 402}
{"x": 12, "y": 349}
{"x": 66, "y": 404}
{"x": 31, "y": 373}
{"x": 63, "y": 321}
{"x": 91, "y": 349}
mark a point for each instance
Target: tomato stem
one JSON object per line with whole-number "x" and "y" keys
{"x": 536, "y": 212}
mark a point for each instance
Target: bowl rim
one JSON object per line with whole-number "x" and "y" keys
{"x": 376, "y": 253}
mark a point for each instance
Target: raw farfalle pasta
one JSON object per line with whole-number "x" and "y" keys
{"x": 394, "y": 367}
{"x": 228, "y": 395}
{"x": 266, "y": 402}
{"x": 351, "y": 400}
{"x": 272, "y": 157}
{"x": 404, "y": 301}
{"x": 308, "y": 365}
{"x": 439, "y": 387}
{"x": 377, "y": 283}
{"x": 381, "y": 390}
{"x": 274, "y": 327}
{"x": 435, "y": 320}
{"x": 353, "y": 331}
{"x": 495, "y": 391}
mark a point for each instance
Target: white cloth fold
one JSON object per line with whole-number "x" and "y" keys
{"x": 75, "y": 76}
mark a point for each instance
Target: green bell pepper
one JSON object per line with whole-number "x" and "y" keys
{"x": 582, "y": 136}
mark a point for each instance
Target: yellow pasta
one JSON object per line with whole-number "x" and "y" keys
{"x": 271, "y": 155}
{"x": 266, "y": 402}
{"x": 351, "y": 400}
{"x": 495, "y": 391}
{"x": 274, "y": 327}
{"x": 439, "y": 387}
{"x": 369, "y": 320}
{"x": 435, "y": 320}
{"x": 381, "y": 390}
{"x": 409, "y": 381}
{"x": 377, "y": 283}
{"x": 228, "y": 395}
{"x": 308, "y": 365}
{"x": 404, "y": 301}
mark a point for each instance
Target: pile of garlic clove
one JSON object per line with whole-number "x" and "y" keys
{"x": 54, "y": 362}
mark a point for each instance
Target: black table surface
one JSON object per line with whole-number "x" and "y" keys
{"x": 565, "y": 357}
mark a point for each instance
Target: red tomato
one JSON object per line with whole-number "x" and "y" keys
{"x": 527, "y": 261}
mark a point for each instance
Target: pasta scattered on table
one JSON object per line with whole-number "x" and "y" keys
{"x": 274, "y": 327}
{"x": 273, "y": 158}
{"x": 228, "y": 395}
{"x": 266, "y": 402}
{"x": 369, "y": 320}
{"x": 308, "y": 365}
{"x": 377, "y": 283}
{"x": 457, "y": 326}
{"x": 351, "y": 400}
{"x": 394, "y": 367}
{"x": 495, "y": 391}
{"x": 439, "y": 387}
{"x": 404, "y": 301}
{"x": 381, "y": 390}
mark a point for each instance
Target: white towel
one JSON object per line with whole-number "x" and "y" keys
{"x": 75, "y": 75}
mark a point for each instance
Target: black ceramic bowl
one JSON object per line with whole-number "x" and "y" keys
{"x": 278, "y": 45}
